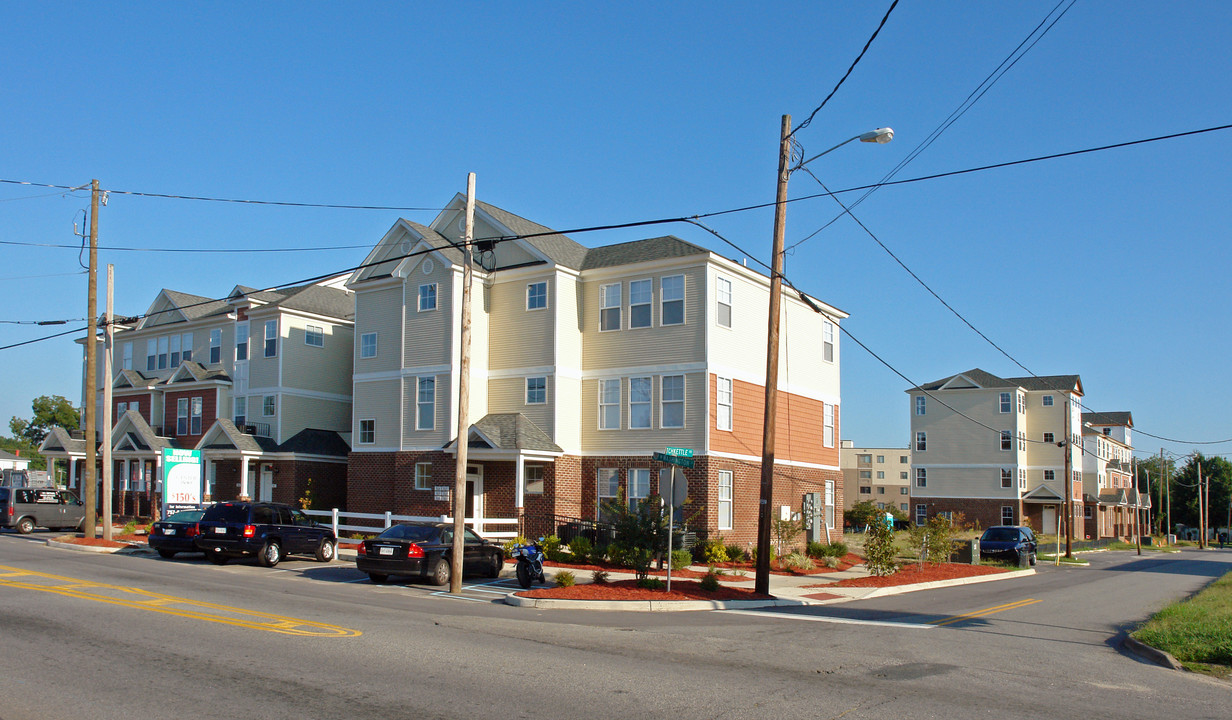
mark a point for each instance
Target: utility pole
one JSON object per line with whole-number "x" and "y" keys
{"x": 464, "y": 396}
{"x": 762, "y": 581}
{"x": 1069, "y": 484}
{"x": 1168, "y": 489}
{"x": 90, "y": 405}
{"x": 107, "y": 348}
{"x": 1201, "y": 508}
{"x": 1138, "y": 507}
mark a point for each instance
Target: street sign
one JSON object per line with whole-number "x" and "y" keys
{"x": 678, "y": 452}
{"x": 674, "y": 459}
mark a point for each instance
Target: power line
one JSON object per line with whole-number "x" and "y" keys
{"x": 192, "y": 250}
{"x": 855, "y": 62}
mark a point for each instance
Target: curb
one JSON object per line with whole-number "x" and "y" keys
{"x": 90, "y": 548}
{"x": 646, "y": 605}
{"x": 936, "y": 584}
{"x": 1149, "y": 653}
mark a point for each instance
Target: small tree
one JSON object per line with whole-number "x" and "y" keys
{"x": 862, "y": 514}
{"x": 879, "y": 549}
{"x": 785, "y": 533}
{"x": 932, "y": 541}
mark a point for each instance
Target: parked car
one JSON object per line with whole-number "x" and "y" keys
{"x": 1008, "y": 542}
{"x": 176, "y": 533}
{"x": 27, "y": 508}
{"x": 425, "y": 550}
{"x": 268, "y": 531}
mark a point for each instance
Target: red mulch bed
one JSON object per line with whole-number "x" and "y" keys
{"x": 911, "y": 574}
{"x": 117, "y": 541}
{"x": 845, "y": 563}
{"x": 628, "y": 590}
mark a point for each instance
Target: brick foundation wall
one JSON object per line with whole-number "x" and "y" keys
{"x": 981, "y": 513}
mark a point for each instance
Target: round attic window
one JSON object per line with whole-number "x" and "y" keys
{"x": 404, "y": 247}
{"x": 428, "y": 267}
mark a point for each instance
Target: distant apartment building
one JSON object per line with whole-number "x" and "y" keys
{"x": 877, "y": 475}
{"x": 1110, "y": 494}
{"x": 584, "y": 363}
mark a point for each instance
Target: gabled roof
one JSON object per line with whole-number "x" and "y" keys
{"x": 59, "y": 439}
{"x": 311, "y": 441}
{"x": 979, "y": 379}
{"x": 509, "y": 431}
{"x": 133, "y": 378}
{"x": 223, "y": 435}
{"x": 637, "y": 251}
{"x": 195, "y": 307}
{"x": 1113, "y": 497}
{"x": 193, "y": 371}
{"x": 310, "y": 298}
{"x": 1045, "y": 383}
{"x": 561, "y": 249}
{"x": 1043, "y": 493}
{"x": 132, "y": 431}
{"x": 1120, "y": 417}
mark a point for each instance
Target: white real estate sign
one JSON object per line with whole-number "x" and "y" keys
{"x": 181, "y": 480}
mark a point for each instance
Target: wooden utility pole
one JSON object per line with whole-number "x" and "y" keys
{"x": 1168, "y": 489}
{"x": 1069, "y": 485}
{"x": 464, "y": 396}
{"x": 90, "y": 401}
{"x": 107, "y": 348}
{"x": 1138, "y": 507}
{"x": 762, "y": 580}
{"x": 1201, "y": 509}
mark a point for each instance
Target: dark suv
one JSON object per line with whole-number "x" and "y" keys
{"x": 269, "y": 531}
{"x": 1015, "y": 543}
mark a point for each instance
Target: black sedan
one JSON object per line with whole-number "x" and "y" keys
{"x": 425, "y": 550}
{"x": 175, "y": 533}
{"x": 1009, "y": 542}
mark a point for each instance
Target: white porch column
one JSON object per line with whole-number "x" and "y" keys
{"x": 519, "y": 485}
{"x": 72, "y": 472}
{"x": 244, "y": 489}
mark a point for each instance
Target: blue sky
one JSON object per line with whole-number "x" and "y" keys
{"x": 1112, "y": 265}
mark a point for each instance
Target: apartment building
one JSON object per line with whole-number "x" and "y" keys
{"x": 877, "y": 475}
{"x": 584, "y": 363}
{"x": 994, "y": 449}
{"x": 258, "y": 381}
{"x": 1110, "y": 495}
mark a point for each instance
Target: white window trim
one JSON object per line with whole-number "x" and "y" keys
{"x": 308, "y": 334}
{"x": 730, "y": 486}
{"x": 420, "y": 403}
{"x": 663, "y": 301}
{"x": 181, "y": 403}
{"x": 526, "y": 395}
{"x": 649, "y": 403}
{"x": 618, "y": 307}
{"x": 921, "y": 405}
{"x": 544, "y": 283}
{"x": 827, "y": 435}
{"x": 265, "y": 348}
{"x": 530, "y": 482}
{"x": 427, "y": 477}
{"x": 265, "y": 404}
{"x": 921, "y": 477}
{"x": 719, "y": 282}
{"x": 921, "y": 438}
{"x": 419, "y": 297}
{"x": 1005, "y": 403}
{"x": 719, "y": 404}
{"x": 629, "y": 474}
{"x": 650, "y": 303}
{"x": 663, "y": 403}
{"x": 375, "y": 345}
{"x": 359, "y": 435}
{"x": 603, "y": 405}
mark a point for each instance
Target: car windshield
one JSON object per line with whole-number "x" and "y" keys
{"x": 185, "y": 516}
{"x": 415, "y": 533}
{"x": 1000, "y": 534}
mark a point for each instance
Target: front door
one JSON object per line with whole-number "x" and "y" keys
{"x": 1050, "y": 519}
{"x": 474, "y": 495}
{"x": 266, "y": 493}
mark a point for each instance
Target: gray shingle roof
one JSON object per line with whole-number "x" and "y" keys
{"x": 143, "y": 435}
{"x": 195, "y": 307}
{"x": 514, "y": 431}
{"x": 1122, "y": 417}
{"x": 1059, "y": 383}
{"x": 240, "y": 441}
{"x": 561, "y": 249}
{"x": 312, "y": 298}
{"x": 316, "y": 442}
{"x": 977, "y": 376}
{"x": 637, "y": 251}
{"x": 198, "y": 373}
{"x": 59, "y": 439}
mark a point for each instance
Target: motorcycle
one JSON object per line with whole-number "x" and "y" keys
{"x": 530, "y": 563}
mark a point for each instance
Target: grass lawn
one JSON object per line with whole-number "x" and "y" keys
{"x": 1197, "y": 631}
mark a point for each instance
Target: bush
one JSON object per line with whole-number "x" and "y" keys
{"x": 830, "y": 561}
{"x": 601, "y": 577}
{"x": 816, "y": 549}
{"x": 651, "y": 583}
{"x": 508, "y": 545}
{"x": 785, "y": 533}
{"x": 681, "y": 559}
{"x": 837, "y": 549}
{"x": 711, "y": 551}
{"x": 753, "y": 554}
{"x": 796, "y": 561}
{"x": 580, "y": 549}
{"x": 933, "y": 540}
{"x": 551, "y": 549}
{"x": 735, "y": 553}
{"x": 710, "y": 582}
{"x": 564, "y": 578}
{"x": 879, "y": 550}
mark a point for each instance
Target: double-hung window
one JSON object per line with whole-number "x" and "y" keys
{"x": 921, "y": 405}
{"x": 127, "y": 363}
{"x": 827, "y": 439}
{"x": 921, "y": 477}
{"x": 1007, "y": 403}
{"x": 186, "y": 347}
{"x": 175, "y": 351}
{"x": 534, "y": 479}
{"x": 425, "y": 401}
{"x": 639, "y": 486}
{"x": 639, "y": 403}
{"x": 151, "y": 354}
{"x": 367, "y": 345}
{"x": 269, "y": 406}
{"x": 194, "y": 427}
{"x": 607, "y": 481}
{"x": 314, "y": 335}
{"x": 536, "y": 390}
{"x": 1007, "y": 478}
{"x": 671, "y": 401}
{"x": 215, "y": 346}
{"x": 671, "y": 291}
{"x": 427, "y": 297}
{"x": 241, "y": 341}
{"x": 241, "y": 413}
{"x": 609, "y": 307}
{"x": 367, "y": 436}
{"x": 271, "y": 338}
{"x": 921, "y": 514}
{"x": 641, "y": 299}
{"x": 609, "y": 404}
{"x": 423, "y": 476}
{"x": 1007, "y": 440}
{"x": 725, "y": 499}
{"x": 1022, "y": 404}
{"x": 1007, "y": 514}
{"x": 723, "y": 401}
{"x": 723, "y": 302}
{"x": 181, "y": 416}
{"x": 162, "y": 352}
{"x": 921, "y": 441}
{"x": 536, "y": 296}
{"x": 827, "y": 340}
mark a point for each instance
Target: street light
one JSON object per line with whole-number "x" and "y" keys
{"x": 880, "y": 136}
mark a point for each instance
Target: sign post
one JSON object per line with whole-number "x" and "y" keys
{"x": 181, "y": 480}
{"x": 674, "y": 487}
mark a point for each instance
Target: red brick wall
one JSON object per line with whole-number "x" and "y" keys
{"x": 143, "y": 405}
{"x": 209, "y": 412}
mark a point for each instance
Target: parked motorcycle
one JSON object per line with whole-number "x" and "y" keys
{"x": 530, "y": 563}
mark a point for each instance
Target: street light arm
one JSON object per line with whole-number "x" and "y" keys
{"x": 880, "y": 136}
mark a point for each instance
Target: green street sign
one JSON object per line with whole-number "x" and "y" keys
{"x": 675, "y": 459}
{"x": 678, "y": 452}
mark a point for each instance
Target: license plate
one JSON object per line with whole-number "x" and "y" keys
{"x": 168, "y": 531}
{"x": 385, "y": 551}
{"x": 220, "y": 531}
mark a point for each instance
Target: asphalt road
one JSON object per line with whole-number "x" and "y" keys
{"x": 109, "y": 636}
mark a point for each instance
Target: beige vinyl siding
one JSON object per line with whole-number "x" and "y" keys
{"x": 567, "y": 408}
{"x": 379, "y": 311}
{"x": 664, "y": 345}
{"x": 377, "y": 401}
{"x": 429, "y": 334}
{"x": 503, "y": 255}
{"x": 443, "y": 430}
{"x": 299, "y": 413}
{"x": 507, "y": 395}
{"x": 480, "y": 362}
{"x": 692, "y": 435}
{"x": 324, "y": 369}
{"x": 263, "y": 371}
{"x": 519, "y": 337}
{"x": 1040, "y": 420}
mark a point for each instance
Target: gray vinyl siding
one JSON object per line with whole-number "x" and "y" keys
{"x": 520, "y": 338}
{"x": 429, "y": 335}
{"x": 263, "y": 371}
{"x": 299, "y": 413}
{"x": 657, "y": 344}
{"x": 379, "y": 311}
{"x": 377, "y": 401}
{"x": 324, "y": 369}
{"x": 692, "y": 435}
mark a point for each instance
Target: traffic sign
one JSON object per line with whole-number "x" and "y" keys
{"x": 674, "y": 459}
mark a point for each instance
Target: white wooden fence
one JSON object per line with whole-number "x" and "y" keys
{"x": 479, "y": 525}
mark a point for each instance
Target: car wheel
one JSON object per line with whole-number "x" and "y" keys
{"x": 215, "y": 557}
{"x": 494, "y": 567}
{"x": 326, "y": 551}
{"x": 440, "y": 572}
{"x": 165, "y": 553}
{"x": 271, "y": 553}
{"x": 25, "y": 526}
{"x": 1031, "y": 559}
{"x": 524, "y": 578}
{"x": 378, "y": 578}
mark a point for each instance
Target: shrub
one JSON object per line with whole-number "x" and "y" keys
{"x": 129, "y": 528}
{"x": 639, "y": 559}
{"x": 565, "y": 578}
{"x": 785, "y": 533}
{"x": 712, "y": 570}
{"x": 710, "y": 582}
{"x": 829, "y": 561}
{"x": 932, "y": 541}
{"x": 796, "y": 561}
{"x": 551, "y": 549}
{"x": 508, "y": 545}
{"x": 711, "y": 551}
{"x": 837, "y": 549}
{"x": 753, "y": 554}
{"x": 816, "y": 549}
{"x": 651, "y": 583}
{"x": 735, "y": 553}
{"x": 681, "y": 559}
{"x": 601, "y": 577}
{"x": 580, "y": 548}
{"x": 879, "y": 550}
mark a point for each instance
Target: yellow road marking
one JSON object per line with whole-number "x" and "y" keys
{"x": 139, "y": 599}
{"x": 987, "y": 611}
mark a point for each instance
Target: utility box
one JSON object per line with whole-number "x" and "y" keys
{"x": 966, "y": 551}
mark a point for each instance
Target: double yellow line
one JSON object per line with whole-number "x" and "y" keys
{"x": 139, "y": 599}
{"x": 981, "y": 613}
